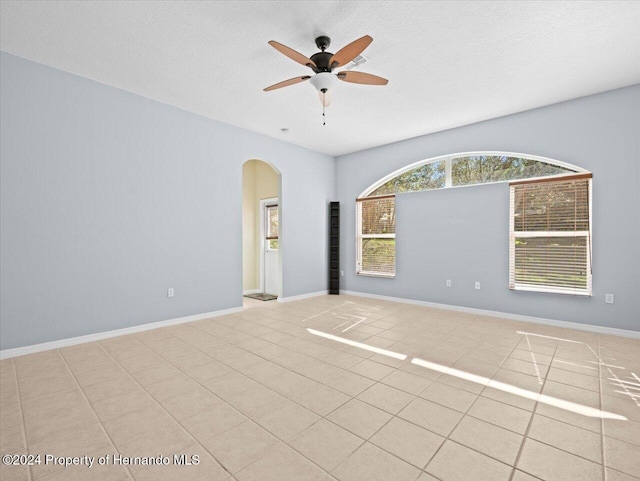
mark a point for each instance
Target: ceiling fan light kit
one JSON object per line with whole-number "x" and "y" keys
{"x": 323, "y": 63}
{"x": 323, "y": 81}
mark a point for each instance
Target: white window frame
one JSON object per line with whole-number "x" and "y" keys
{"x": 360, "y": 236}
{"x": 588, "y": 290}
{"x": 448, "y": 162}
{"x": 267, "y": 237}
{"x": 448, "y": 185}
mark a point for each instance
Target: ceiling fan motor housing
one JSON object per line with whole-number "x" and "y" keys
{"x": 322, "y": 59}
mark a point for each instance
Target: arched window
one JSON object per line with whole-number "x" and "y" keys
{"x": 540, "y": 259}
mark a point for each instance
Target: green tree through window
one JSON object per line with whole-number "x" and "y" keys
{"x": 425, "y": 177}
{"x": 482, "y": 169}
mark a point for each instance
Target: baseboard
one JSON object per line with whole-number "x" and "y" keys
{"x": 303, "y": 296}
{"x": 46, "y": 346}
{"x": 504, "y": 315}
{"x": 251, "y": 291}
{"x": 72, "y": 341}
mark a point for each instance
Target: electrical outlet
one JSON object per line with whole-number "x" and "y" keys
{"x": 477, "y": 285}
{"x": 608, "y": 298}
{"x": 170, "y": 292}
{"x": 341, "y": 273}
{"x": 448, "y": 282}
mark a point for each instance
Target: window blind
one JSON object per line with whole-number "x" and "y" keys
{"x": 272, "y": 222}
{"x": 376, "y": 231}
{"x": 550, "y": 235}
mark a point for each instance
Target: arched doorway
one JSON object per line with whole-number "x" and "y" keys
{"x": 261, "y": 222}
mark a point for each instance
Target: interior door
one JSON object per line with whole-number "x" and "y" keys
{"x": 271, "y": 252}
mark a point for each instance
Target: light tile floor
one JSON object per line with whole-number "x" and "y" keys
{"x": 257, "y": 397}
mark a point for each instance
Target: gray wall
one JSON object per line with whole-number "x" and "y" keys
{"x": 108, "y": 199}
{"x": 599, "y": 133}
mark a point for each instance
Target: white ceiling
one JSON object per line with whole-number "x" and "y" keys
{"x": 449, "y": 63}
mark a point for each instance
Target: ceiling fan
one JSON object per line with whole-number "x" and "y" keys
{"x": 323, "y": 63}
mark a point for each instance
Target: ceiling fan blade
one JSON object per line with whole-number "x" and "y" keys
{"x": 362, "y": 78}
{"x": 286, "y": 83}
{"x": 292, "y": 54}
{"x": 347, "y": 53}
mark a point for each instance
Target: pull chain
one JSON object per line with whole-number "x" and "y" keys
{"x": 324, "y": 118}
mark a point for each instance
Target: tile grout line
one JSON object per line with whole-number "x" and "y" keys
{"x": 446, "y": 438}
{"x": 471, "y": 406}
{"x": 104, "y": 430}
{"x": 525, "y": 436}
{"x": 601, "y": 400}
{"x": 233, "y": 368}
{"x": 602, "y": 438}
{"x": 394, "y": 416}
{"x": 416, "y": 396}
{"x": 282, "y": 440}
{"x": 325, "y": 417}
{"x": 279, "y": 345}
{"x": 272, "y": 361}
{"x": 575, "y": 387}
{"x": 235, "y": 409}
{"x": 398, "y": 368}
{"x": 532, "y": 412}
{"x": 345, "y": 370}
{"x": 162, "y": 407}
{"x": 355, "y": 304}
{"x": 291, "y": 400}
{"x": 535, "y": 406}
{"x": 564, "y": 423}
{"x": 395, "y": 367}
{"x": 22, "y": 417}
{"x": 506, "y": 357}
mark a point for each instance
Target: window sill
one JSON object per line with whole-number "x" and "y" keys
{"x": 551, "y": 290}
{"x": 376, "y": 274}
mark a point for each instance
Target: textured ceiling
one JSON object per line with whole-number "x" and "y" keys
{"x": 448, "y": 63}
